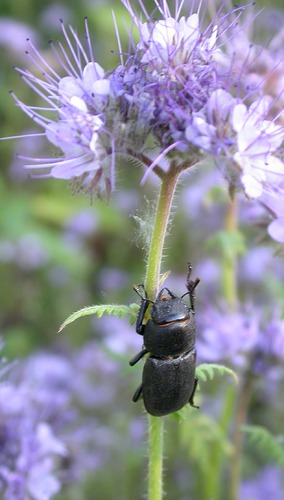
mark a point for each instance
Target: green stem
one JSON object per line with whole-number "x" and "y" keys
{"x": 167, "y": 189}
{"x": 155, "y": 458}
{"x": 230, "y": 262}
{"x": 240, "y": 418}
{"x": 152, "y": 279}
{"x": 213, "y": 486}
{"x": 240, "y": 410}
{"x": 229, "y": 287}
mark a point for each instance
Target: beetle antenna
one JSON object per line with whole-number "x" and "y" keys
{"x": 191, "y": 285}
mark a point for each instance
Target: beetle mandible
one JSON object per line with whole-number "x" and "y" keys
{"x": 168, "y": 380}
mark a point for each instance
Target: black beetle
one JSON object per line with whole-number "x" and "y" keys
{"x": 169, "y": 380}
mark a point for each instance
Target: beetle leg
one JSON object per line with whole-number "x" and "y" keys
{"x": 137, "y": 394}
{"x": 191, "y": 401}
{"x": 137, "y": 357}
{"x": 143, "y": 308}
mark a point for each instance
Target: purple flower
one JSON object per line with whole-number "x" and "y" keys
{"x": 174, "y": 91}
{"x": 167, "y": 43}
{"x": 267, "y": 484}
{"x": 227, "y": 336}
{"x": 243, "y": 140}
{"x": 246, "y": 339}
{"x": 51, "y": 430}
{"x": 273, "y": 200}
{"x": 13, "y": 32}
{"x": 257, "y": 139}
{"x": 75, "y": 118}
{"x": 272, "y": 339}
{"x": 92, "y": 118}
{"x": 30, "y": 450}
{"x": 276, "y": 229}
{"x": 262, "y": 67}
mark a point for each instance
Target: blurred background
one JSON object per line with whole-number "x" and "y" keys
{"x": 60, "y": 252}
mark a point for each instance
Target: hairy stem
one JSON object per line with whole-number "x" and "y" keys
{"x": 167, "y": 189}
{"x": 152, "y": 278}
{"x": 155, "y": 491}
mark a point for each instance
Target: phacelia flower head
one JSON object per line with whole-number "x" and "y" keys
{"x": 91, "y": 116}
{"x": 246, "y": 143}
{"x": 176, "y": 96}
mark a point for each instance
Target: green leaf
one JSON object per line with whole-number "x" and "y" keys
{"x": 272, "y": 447}
{"x": 120, "y": 311}
{"x": 206, "y": 371}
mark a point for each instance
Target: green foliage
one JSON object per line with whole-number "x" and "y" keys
{"x": 202, "y": 436}
{"x": 205, "y": 371}
{"x": 121, "y": 311}
{"x": 265, "y": 443}
{"x": 230, "y": 243}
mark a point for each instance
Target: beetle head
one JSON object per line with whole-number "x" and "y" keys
{"x": 169, "y": 308}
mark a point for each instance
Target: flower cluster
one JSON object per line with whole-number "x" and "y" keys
{"x": 244, "y": 340}
{"x": 49, "y": 434}
{"x": 180, "y": 96}
{"x": 29, "y": 447}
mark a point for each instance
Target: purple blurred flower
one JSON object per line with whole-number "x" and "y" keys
{"x": 272, "y": 339}
{"x": 245, "y": 338}
{"x": 267, "y": 484}
{"x": 113, "y": 279}
{"x": 276, "y": 229}
{"x": 262, "y": 67}
{"x": 118, "y": 334}
{"x": 227, "y": 336}
{"x": 53, "y": 411}
{"x": 257, "y": 262}
{"x": 12, "y": 34}
{"x": 79, "y": 227}
{"x": 29, "y": 453}
{"x": 30, "y": 450}
{"x": 274, "y": 202}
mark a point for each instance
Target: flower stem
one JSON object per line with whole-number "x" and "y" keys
{"x": 240, "y": 410}
{"x": 152, "y": 278}
{"x": 167, "y": 189}
{"x": 155, "y": 458}
{"x": 240, "y": 418}
{"x": 230, "y": 261}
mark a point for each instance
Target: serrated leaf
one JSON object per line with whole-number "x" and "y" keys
{"x": 271, "y": 446}
{"x": 121, "y": 311}
{"x": 206, "y": 371}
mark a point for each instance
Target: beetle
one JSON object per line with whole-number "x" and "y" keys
{"x": 168, "y": 380}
